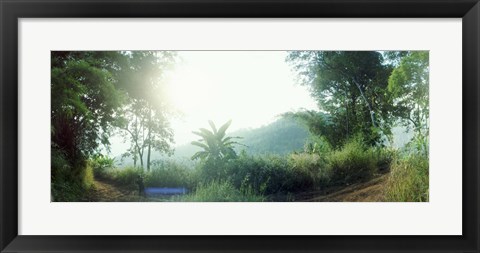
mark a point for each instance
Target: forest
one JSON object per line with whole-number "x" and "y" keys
{"x": 343, "y": 150}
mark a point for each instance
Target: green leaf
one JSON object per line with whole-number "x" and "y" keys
{"x": 199, "y": 144}
{"x": 223, "y": 129}
{"x": 213, "y": 126}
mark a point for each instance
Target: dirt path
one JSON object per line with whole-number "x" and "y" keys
{"x": 103, "y": 191}
{"x": 371, "y": 191}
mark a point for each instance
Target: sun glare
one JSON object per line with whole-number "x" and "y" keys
{"x": 190, "y": 90}
{"x": 250, "y": 89}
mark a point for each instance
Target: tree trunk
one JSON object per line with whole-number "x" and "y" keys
{"x": 149, "y": 138}
{"x": 372, "y": 113}
{"x": 148, "y": 156}
{"x": 346, "y": 114}
{"x": 140, "y": 157}
{"x": 135, "y": 147}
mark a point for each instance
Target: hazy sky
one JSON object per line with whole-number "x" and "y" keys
{"x": 249, "y": 87}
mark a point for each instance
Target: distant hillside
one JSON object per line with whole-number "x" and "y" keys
{"x": 280, "y": 137}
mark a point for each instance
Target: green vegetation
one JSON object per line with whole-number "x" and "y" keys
{"x": 143, "y": 118}
{"x": 271, "y": 175}
{"x": 408, "y": 85}
{"x": 221, "y": 192}
{"x": 409, "y": 177}
{"x": 353, "y": 163}
{"x": 84, "y": 101}
{"x": 218, "y": 149}
{"x": 349, "y": 87}
{"x": 361, "y": 96}
{"x": 95, "y": 93}
{"x": 281, "y": 137}
{"x": 167, "y": 174}
{"x": 69, "y": 183}
{"x": 256, "y": 178}
{"x": 408, "y": 181}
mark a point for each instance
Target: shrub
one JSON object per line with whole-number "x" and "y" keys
{"x": 383, "y": 157}
{"x": 127, "y": 177}
{"x": 222, "y": 191}
{"x": 164, "y": 174}
{"x": 408, "y": 180}
{"x": 308, "y": 171}
{"x": 264, "y": 175}
{"x": 210, "y": 170}
{"x": 102, "y": 166}
{"x": 170, "y": 174}
{"x": 276, "y": 174}
{"x": 351, "y": 164}
{"x": 60, "y": 168}
{"x": 66, "y": 191}
{"x": 317, "y": 145}
{"x": 69, "y": 182}
{"x": 418, "y": 145}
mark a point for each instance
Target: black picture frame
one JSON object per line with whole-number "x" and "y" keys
{"x": 11, "y": 11}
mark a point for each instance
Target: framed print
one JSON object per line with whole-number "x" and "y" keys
{"x": 239, "y": 126}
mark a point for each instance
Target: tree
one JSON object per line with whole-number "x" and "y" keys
{"x": 318, "y": 123}
{"x": 134, "y": 127}
{"x": 145, "y": 117}
{"x": 84, "y": 102}
{"x": 409, "y": 85}
{"x": 216, "y": 145}
{"x": 350, "y": 88}
{"x": 217, "y": 149}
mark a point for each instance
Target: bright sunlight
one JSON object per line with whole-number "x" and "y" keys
{"x": 252, "y": 89}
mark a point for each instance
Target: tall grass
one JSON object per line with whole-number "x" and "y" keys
{"x": 409, "y": 180}
{"x": 278, "y": 174}
{"x": 171, "y": 174}
{"x": 383, "y": 157}
{"x": 265, "y": 175}
{"x": 127, "y": 177}
{"x": 222, "y": 191}
{"x": 258, "y": 178}
{"x": 302, "y": 172}
{"x": 164, "y": 174}
{"x": 353, "y": 163}
{"x": 308, "y": 171}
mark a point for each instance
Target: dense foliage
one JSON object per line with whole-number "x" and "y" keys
{"x": 274, "y": 177}
{"x": 84, "y": 101}
{"x": 349, "y": 87}
{"x": 361, "y": 96}
{"x": 91, "y": 91}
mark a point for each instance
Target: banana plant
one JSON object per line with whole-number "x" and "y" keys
{"x": 215, "y": 144}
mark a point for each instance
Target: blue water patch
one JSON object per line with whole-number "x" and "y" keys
{"x": 152, "y": 191}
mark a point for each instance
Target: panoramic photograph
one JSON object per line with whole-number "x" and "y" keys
{"x": 239, "y": 126}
